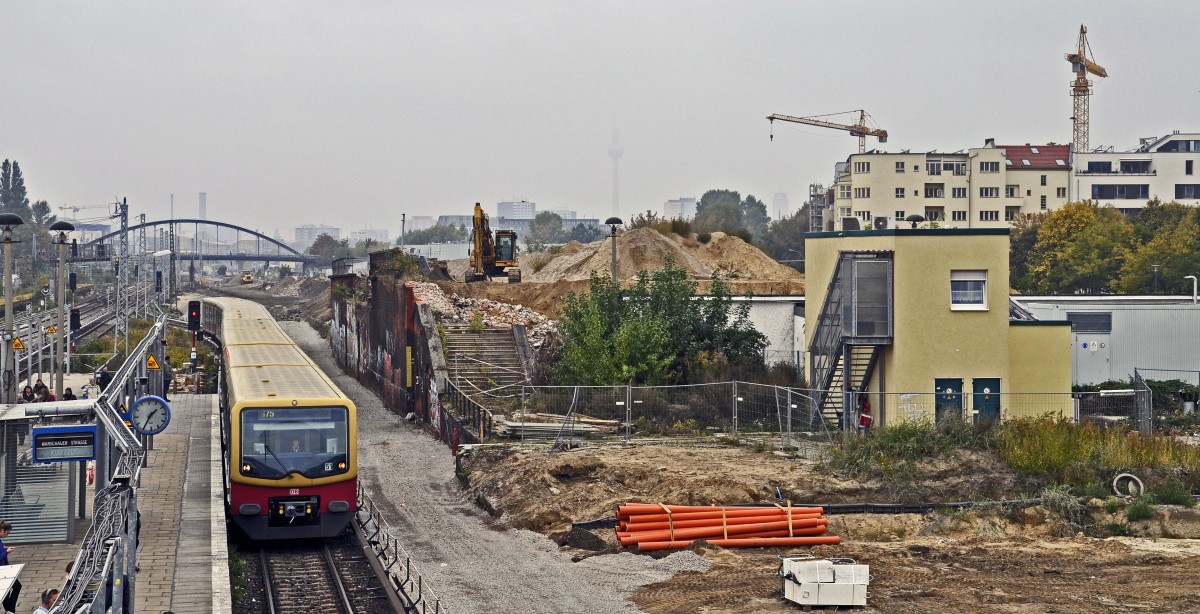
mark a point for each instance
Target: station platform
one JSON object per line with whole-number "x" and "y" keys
{"x": 182, "y": 556}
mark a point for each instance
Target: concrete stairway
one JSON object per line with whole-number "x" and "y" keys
{"x": 484, "y": 361}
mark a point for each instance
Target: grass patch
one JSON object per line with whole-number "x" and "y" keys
{"x": 475, "y": 322}
{"x": 1072, "y": 515}
{"x": 1112, "y": 505}
{"x": 1139, "y": 510}
{"x": 238, "y": 568}
{"x": 1082, "y": 454}
{"x": 1116, "y": 529}
{"x": 893, "y": 451}
{"x": 1092, "y": 490}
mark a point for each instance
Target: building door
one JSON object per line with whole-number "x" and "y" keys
{"x": 986, "y": 398}
{"x": 948, "y": 402}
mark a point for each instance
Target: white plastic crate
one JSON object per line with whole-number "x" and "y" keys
{"x": 840, "y": 582}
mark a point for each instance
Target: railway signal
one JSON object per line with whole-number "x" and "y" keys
{"x": 193, "y": 316}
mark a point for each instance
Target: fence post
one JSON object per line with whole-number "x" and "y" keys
{"x": 628, "y": 409}
{"x": 735, "y": 409}
{"x": 789, "y": 417}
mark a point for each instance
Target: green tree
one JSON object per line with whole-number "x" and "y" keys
{"x": 585, "y": 233}
{"x": 1175, "y": 250}
{"x": 40, "y": 211}
{"x": 784, "y": 238}
{"x": 1080, "y": 249}
{"x": 720, "y": 216}
{"x": 434, "y": 234}
{"x": 544, "y": 229}
{"x": 653, "y": 332}
{"x": 1157, "y": 216}
{"x": 755, "y": 217}
{"x": 713, "y": 198}
{"x": 326, "y": 249}
{"x": 1023, "y": 239}
{"x": 13, "y": 196}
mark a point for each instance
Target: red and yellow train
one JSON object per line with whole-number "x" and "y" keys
{"x": 288, "y": 433}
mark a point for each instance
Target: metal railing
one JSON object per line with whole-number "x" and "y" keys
{"x": 476, "y": 418}
{"x": 402, "y": 577}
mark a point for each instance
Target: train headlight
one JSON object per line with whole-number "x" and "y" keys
{"x": 342, "y": 465}
{"x": 246, "y": 468}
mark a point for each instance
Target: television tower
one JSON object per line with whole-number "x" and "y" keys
{"x": 614, "y": 152}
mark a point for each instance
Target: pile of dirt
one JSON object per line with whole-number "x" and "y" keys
{"x": 645, "y": 248}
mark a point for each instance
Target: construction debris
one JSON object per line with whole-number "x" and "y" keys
{"x": 456, "y": 309}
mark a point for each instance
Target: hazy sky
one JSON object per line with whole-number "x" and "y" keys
{"x": 349, "y": 113}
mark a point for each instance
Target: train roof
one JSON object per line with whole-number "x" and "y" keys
{"x": 262, "y": 362}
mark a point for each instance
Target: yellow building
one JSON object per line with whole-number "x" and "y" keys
{"x": 920, "y": 320}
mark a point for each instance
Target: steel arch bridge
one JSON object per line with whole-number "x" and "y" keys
{"x": 196, "y": 246}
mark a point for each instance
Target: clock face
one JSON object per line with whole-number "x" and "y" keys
{"x": 150, "y": 415}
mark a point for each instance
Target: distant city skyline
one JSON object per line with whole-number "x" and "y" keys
{"x": 306, "y": 114}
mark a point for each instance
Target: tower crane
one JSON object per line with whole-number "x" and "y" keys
{"x": 75, "y": 209}
{"x": 860, "y": 130}
{"x": 1081, "y": 88}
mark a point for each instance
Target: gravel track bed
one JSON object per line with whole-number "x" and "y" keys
{"x": 472, "y": 565}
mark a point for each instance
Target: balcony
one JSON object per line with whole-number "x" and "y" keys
{"x": 1149, "y": 173}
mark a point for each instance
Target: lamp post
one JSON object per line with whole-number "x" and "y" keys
{"x": 613, "y": 222}
{"x": 1193, "y": 278}
{"x": 1156, "y": 267}
{"x": 59, "y": 344}
{"x": 9, "y": 221}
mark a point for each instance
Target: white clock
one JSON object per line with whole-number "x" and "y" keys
{"x": 150, "y": 415}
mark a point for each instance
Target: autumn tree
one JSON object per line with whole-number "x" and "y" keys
{"x": 1080, "y": 249}
{"x": 1174, "y": 249}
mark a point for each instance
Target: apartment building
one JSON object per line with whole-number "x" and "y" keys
{"x": 680, "y": 209}
{"x": 518, "y": 210}
{"x": 1164, "y": 167}
{"x": 982, "y": 187}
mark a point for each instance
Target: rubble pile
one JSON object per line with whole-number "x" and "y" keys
{"x": 457, "y": 309}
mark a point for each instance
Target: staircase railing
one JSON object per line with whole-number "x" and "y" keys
{"x": 826, "y": 347}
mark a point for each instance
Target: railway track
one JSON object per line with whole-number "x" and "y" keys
{"x": 333, "y": 575}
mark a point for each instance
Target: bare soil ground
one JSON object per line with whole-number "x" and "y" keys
{"x": 987, "y": 560}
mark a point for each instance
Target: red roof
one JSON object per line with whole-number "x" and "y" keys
{"x": 1046, "y": 158}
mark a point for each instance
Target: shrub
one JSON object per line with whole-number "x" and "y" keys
{"x": 475, "y": 322}
{"x": 1073, "y": 515}
{"x": 704, "y": 237}
{"x": 894, "y": 448}
{"x": 1173, "y": 493}
{"x": 1092, "y": 490}
{"x": 1112, "y": 505}
{"x": 1116, "y": 529}
{"x": 1140, "y": 510}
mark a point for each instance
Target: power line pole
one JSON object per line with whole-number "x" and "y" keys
{"x": 122, "y": 281}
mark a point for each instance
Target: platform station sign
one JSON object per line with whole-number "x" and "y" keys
{"x": 66, "y": 443}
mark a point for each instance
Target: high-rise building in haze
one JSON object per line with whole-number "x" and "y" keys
{"x": 780, "y": 206}
{"x": 680, "y": 209}
{"x": 516, "y": 209}
{"x": 306, "y": 234}
{"x": 614, "y": 152}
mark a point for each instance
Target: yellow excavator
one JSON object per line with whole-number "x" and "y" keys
{"x": 491, "y": 255}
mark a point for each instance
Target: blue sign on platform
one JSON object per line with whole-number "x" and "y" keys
{"x": 66, "y": 443}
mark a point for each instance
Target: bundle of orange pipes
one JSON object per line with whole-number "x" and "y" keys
{"x": 655, "y": 526}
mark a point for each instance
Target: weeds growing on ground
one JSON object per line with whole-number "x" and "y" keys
{"x": 1139, "y": 510}
{"x": 894, "y": 450}
{"x": 1073, "y": 515}
{"x": 237, "y": 576}
{"x": 1173, "y": 493}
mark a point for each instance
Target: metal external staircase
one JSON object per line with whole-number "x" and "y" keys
{"x": 853, "y": 327}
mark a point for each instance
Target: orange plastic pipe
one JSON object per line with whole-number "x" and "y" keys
{"x": 763, "y": 542}
{"x": 654, "y": 508}
{"x": 729, "y": 513}
{"x": 707, "y": 522}
{"x": 630, "y": 540}
{"x": 720, "y": 531}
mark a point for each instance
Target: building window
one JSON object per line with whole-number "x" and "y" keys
{"x": 862, "y": 192}
{"x": 899, "y": 215}
{"x": 863, "y": 215}
{"x": 989, "y": 216}
{"x": 1139, "y": 167}
{"x": 1180, "y": 146}
{"x": 844, "y": 211}
{"x": 916, "y": 168}
{"x": 1043, "y": 180}
{"x": 958, "y": 192}
{"x": 989, "y": 167}
{"x": 862, "y": 167}
{"x": 1010, "y": 214}
{"x": 989, "y": 192}
{"x": 958, "y": 216}
{"x": 960, "y": 168}
{"x": 1061, "y": 193}
{"x": 1011, "y": 191}
{"x": 899, "y": 167}
{"x": 1121, "y": 192}
{"x": 1099, "y": 167}
{"x": 1043, "y": 201}
{"x": 899, "y": 192}
{"x": 934, "y": 167}
{"x": 1187, "y": 167}
{"x": 968, "y": 290}
{"x": 935, "y": 190}
{"x": 934, "y": 215}
{"x": 1187, "y": 190}
{"x": 843, "y": 191}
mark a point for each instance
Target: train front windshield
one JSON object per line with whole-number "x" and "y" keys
{"x": 310, "y": 441}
